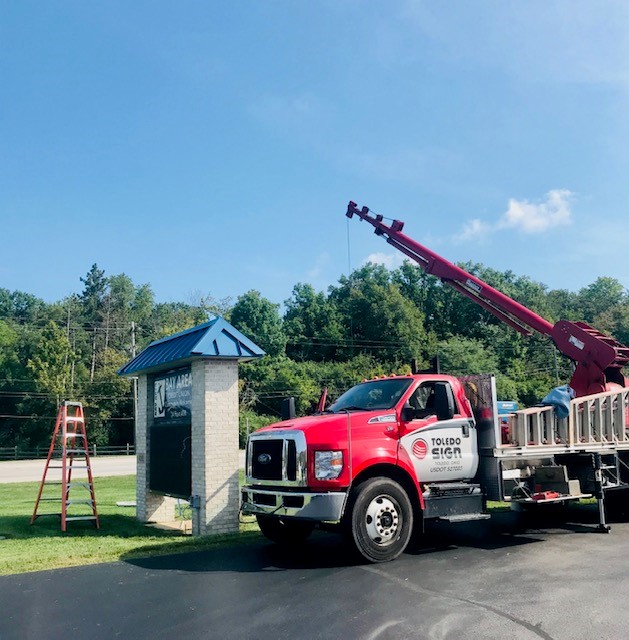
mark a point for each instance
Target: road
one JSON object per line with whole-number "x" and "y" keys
{"x": 564, "y": 583}
{"x": 32, "y": 470}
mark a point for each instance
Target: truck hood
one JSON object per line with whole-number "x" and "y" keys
{"x": 326, "y": 427}
{"x": 309, "y": 422}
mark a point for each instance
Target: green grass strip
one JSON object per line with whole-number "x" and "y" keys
{"x": 25, "y": 547}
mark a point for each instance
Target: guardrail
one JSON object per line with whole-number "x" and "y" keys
{"x": 16, "y": 453}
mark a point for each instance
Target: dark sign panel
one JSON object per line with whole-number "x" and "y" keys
{"x": 170, "y": 467}
{"x": 173, "y": 397}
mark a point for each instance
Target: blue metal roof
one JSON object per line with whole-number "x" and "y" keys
{"x": 214, "y": 339}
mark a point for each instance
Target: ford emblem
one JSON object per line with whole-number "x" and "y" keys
{"x": 264, "y": 458}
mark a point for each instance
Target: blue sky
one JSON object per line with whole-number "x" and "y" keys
{"x": 211, "y": 147}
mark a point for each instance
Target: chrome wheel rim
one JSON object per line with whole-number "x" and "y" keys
{"x": 382, "y": 520}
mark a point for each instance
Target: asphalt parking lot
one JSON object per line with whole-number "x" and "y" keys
{"x": 566, "y": 582}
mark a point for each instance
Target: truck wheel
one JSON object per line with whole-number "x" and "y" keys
{"x": 284, "y": 532}
{"x": 381, "y": 519}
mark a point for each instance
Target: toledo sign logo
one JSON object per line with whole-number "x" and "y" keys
{"x": 420, "y": 449}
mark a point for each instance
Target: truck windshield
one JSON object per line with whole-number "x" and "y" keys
{"x": 372, "y": 395}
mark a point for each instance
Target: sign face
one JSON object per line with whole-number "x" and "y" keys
{"x": 172, "y": 395}
{"x": 170, "y": 435}
{"x": 170, "y": 469}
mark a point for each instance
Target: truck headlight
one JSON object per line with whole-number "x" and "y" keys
{"x": 328, "y": 464}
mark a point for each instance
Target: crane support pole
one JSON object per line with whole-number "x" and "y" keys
{"x": 603, "y": 527}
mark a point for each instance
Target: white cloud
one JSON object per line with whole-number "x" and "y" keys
{"x": 524, "y": 216}
{"x": 536, "y": 218}
{"x": 389, "y": 260}
{"x": 472, "y": 230}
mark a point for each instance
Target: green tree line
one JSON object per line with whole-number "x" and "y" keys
{"x": 373, "y": 322}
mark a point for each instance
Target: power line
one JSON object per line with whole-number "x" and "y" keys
{"x": 31, "y": 417}
{"x": 41, "y": 395}
{"x": 79, "y": 384}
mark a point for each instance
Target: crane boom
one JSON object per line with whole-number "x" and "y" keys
{"x": 598, "y": 358}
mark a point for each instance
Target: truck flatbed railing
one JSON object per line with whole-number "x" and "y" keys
{"x": 595, "y": 422}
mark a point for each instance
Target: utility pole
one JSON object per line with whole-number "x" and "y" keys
{"x": 107, "y": 321}
{"x": 65, "y": 360}
{"x": 93, "y": 356}
{"x": 73, "y": 360}
{"x": 135, "y": 380}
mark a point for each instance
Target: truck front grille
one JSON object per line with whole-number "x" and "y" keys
{"x": 277, "y": 458}
{"x": 266, "y": 459}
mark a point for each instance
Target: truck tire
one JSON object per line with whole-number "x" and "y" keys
{"x": 380, "y": 519}
{"x": 284, "y": 531}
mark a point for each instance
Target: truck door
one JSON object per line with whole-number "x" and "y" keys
{"x": 438, "y": 438}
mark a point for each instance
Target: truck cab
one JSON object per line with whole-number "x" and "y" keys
{"x": 388, "y": 453}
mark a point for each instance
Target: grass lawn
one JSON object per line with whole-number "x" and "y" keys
{"x": 26, "y": 547}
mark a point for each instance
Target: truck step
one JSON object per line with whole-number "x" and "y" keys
{"x": 465, "y": 517}
{"x": 457, "y": 505}
{"x": 451, "y": 489}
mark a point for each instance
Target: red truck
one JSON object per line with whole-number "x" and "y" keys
{"x": 395, "y": 452}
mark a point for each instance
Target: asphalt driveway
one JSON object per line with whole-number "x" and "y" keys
{"x": 567, "y": 583}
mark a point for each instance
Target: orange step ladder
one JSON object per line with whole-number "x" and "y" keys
{"x": 69, "y": 451}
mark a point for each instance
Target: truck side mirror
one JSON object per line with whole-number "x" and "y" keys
{"x": 408, "y": 413}
{"x": 288, "y": 409}
{"x": 444, "y": 401}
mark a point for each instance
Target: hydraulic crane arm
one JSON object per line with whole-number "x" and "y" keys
{"x": 598, "y": 358}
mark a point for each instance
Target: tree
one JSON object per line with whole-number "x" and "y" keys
{"x": 47, "y": 355}
{"x": 9, "y": 372}
{"x": 21, "y": 307}
{"x": 143, "y": 303}
{"x": 460, "y": 356}
{"x": 167, "y": 318}
{"x": 599, "y": 296}
{"x": 259, "y": 320}
{"x": 8, "y": 354}
{"x": 121, "y": 294}
{"x": 312, "y": 325}
{"x": 563, "y": 305}
{"x": 108, "y": 402}
{"x": 377, "y": 318}
{"x": 614, "y": 322}
{"x": 50, "y": 362}
{"x": 92, "y": 297}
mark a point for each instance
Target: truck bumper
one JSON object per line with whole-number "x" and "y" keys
{"x": 322, "y": 507}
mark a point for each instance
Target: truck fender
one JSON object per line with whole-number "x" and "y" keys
{"x": 368, "y": 463}
{"x": 404, "y": 462}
